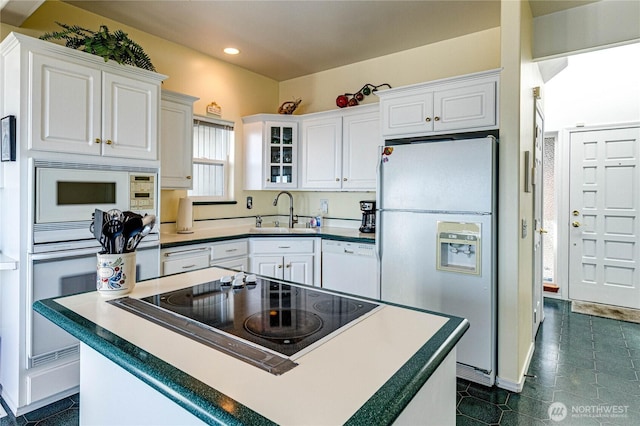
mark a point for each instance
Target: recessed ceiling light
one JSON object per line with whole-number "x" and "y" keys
{"x": 231, "y": 51}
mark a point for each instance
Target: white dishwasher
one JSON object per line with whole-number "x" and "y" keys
{"x": 350, "y": 267}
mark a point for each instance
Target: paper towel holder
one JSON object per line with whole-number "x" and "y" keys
{"x": 184, "y": 223}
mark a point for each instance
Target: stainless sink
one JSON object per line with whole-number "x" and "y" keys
{"x": 282, "y": 230}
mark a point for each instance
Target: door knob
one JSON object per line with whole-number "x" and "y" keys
{"x": 575, "y": 224}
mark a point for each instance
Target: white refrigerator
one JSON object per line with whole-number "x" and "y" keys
{"x": 437, "y": 239}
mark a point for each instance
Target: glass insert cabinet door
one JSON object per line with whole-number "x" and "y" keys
{"x": 281, "y": 155}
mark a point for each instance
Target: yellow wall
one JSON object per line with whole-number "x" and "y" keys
{"x": 457, "y": 56}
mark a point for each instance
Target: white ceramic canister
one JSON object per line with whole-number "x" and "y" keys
{"x": 116, "y": 273}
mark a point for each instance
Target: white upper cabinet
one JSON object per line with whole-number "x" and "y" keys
{"x": 65, "y": 106}
{"x": 339, "y": 149}
{"x": 461, "y": 104}
{"x": 321, "y": 153}
{"x": 176, "y": 140}
{"x": 78, "y": 104}
{"x": 271, "y": 151}
{"x": 361, "y": 140}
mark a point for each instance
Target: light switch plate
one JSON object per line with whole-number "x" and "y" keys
{"x": 249, "y": 202}
{"x": 324, "y": 206}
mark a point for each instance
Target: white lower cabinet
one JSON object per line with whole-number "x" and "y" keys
{"x": 227, "y": 254}
{"x": 291, "y": 259}
{"x": 185, "y": 258}
{"x": 231, "y": 254}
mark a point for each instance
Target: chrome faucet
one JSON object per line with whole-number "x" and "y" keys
{"x": 292, "y": 220}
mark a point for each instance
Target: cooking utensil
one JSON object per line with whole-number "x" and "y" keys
{"x": 112, "y": 230}
{"x": 115, "y": 214}
{"x": 149, "y": 222}
{"x": 132, "y": 227}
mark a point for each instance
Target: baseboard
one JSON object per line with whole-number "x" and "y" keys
{"x": 512, "y": 386}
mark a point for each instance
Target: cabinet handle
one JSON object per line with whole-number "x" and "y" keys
{"x": 279, "y": 266}
{"x": 337, "y": 179}
{"x": 289, "y": 266}
{"x": 437, "y": 119}
{"x": 284, "y": 246}
{"x": 231, "y": 250}
{"x": 98, "y": 140}
{"x": 180, "y": 252}
{"x": 428, "y": 119}
{"x": 189, "y": 177}
{"x": 345, "y": 179}
{"x": 109, "y": 142}
{"x": 188, "y": 266}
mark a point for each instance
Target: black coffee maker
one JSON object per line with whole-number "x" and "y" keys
{"x": 368, "y": 216}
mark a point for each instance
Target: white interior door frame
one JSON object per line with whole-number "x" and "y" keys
{"x": 563, "y": 214}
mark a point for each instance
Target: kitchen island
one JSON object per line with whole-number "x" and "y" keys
{"x": 391, "y": 365}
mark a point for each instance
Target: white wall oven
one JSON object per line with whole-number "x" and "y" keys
{"x": 68, "y": 194}
{"x": 64, "y": 273}
{"x": 63, "y": 256}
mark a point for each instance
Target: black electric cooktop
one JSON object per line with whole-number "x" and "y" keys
{"x": 245, "y": 314}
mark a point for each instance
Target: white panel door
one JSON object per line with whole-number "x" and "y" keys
{"x": 299, "y": 269}
{"x": 64, "y": 106}
{"x": 604, "y": 230}
{"x": 130, "y": 110}
{"x": 407, "y": 114}
{"x": 321, "y": 146}
{"x": 176, "y": 144}
{"x": 465, "y": 107}
{"x": 360, "y": 141}
{"x": 268, "y": 266}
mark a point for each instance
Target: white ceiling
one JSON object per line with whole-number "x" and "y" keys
{"x": 288, "y": 39}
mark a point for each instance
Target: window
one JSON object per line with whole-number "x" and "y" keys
{"x": 212, "y": 159}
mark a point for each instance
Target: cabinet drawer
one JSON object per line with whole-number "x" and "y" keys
{"x": 230, "y": 249}
{"x": 185, "y": 264}
{"x": 268, "y": 246}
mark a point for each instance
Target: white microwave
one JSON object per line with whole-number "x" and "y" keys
{"x": 70, "y": 195}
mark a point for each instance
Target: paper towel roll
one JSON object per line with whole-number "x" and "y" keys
{"x": 184, "y": 223}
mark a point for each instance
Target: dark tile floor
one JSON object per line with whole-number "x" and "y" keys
{"x": 586, "y": 368}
